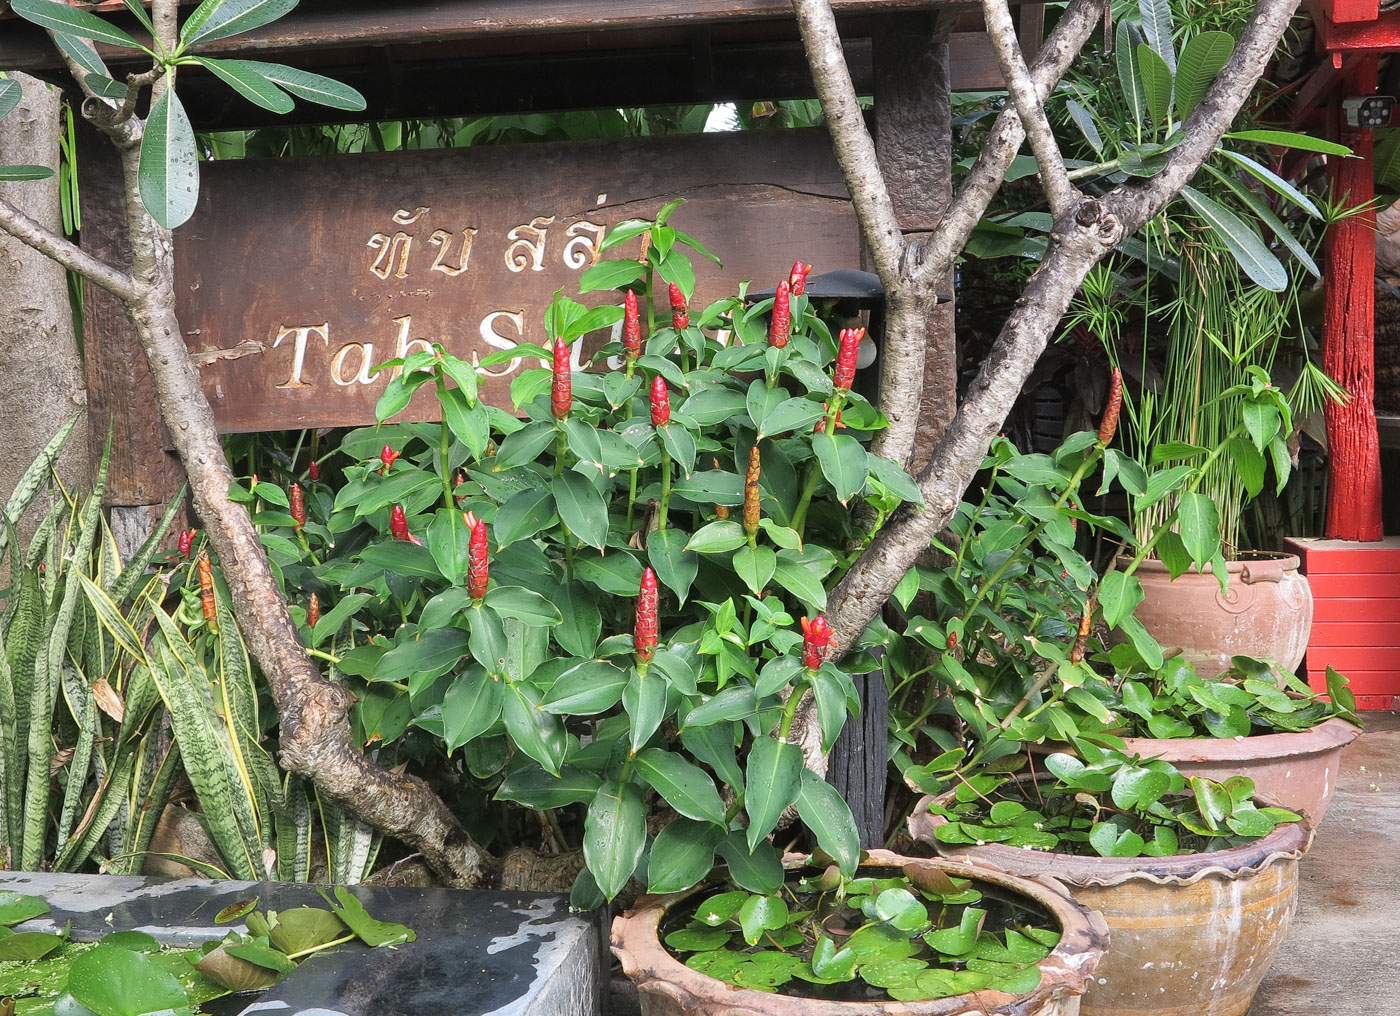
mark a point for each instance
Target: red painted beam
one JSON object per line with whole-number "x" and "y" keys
{"x": 1353, "y": 10}
{"x": 1348, "y": 343}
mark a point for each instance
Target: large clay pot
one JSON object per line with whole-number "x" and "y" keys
{"x": 1191, "y": 935}
{"x": 1297, "y": 771}
{"x": 1266, "y": 611}
{"x": 667, "y": 987}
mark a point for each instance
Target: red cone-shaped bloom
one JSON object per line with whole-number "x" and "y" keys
{"x": 631, "y": 327}
{"x": 645, "y": 632}
{"x": 562, "y": 393}
{"x": 780, "y": 324}
{"x": 660, "y": 402}
{"x": 680, "y": 314}
{"x": 816, "y": 638}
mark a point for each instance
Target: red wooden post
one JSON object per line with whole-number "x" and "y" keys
{"x": 1348, "y": 344}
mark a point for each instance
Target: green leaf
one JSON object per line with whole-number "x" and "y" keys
{"x": 829, "y": 818}
{"x": 433, "y": 651}
{"x": 535, "y": 732}
{"x": 614, "y": 835}
{"x": 533, "y": 787}
{"x": 616, "y": 572}
{"x": 11, "y": 92}
{"x": 219, "y": 19}
{"x": 759, "y": 870}
{"x": 471, "y": 707}
{"x": 711, "y": 486}
{"x": 733, "y": 703}
{"x": 759, "y": 914}
{"x": 674, "y": 564}
{"x": 1129, "y": 79}
{"x": 1274, "y": 182}
{"x": 772, "y": 781}
{"x": 1156, "y": 84}
{"x": 1249, "y": 465}
{"x": 16, "y": 908}
{"x": 243, "y": 77}
{"x": 581, "y": 508}
{"x": 895, "y": 479}
{"x": 370, "y": 931}
{"x": 118, "y": 982}
{"x": 61, "y": 18}
{"x": 449, "y": 543}
{"x": 28, "y": 946}
{"x": 169, "y": 167}
{"x": 1156, "y": 23}
{"x": 18, "y": 174}
{"x": 525, "y": 514}
{"x": 1119, "y": 595}
{"x": 591, "y": 687}
{"x": 682, "y": 854}
{"x": 800, "y": 581}
{"x": 1199, "y": 524}
{"x": 1291, "y": 139}
{"x": 524, "y": 605}
{"x": 685, "y": 786}
{"x": 1255, "y": 259}
{"x": 717, "y": 538}
{"x": 644, "y": 701}
{"x": 755, "y": 566}
{"x": 1202, "y": 58}
{"x": 402, "y": 558}
{"x": 844, "y": 463}
{"x": 583, "y": 622}
{"x": 610, "y": 274}
{"x": 315, "y": 88}
{"x": 793, "y": 414}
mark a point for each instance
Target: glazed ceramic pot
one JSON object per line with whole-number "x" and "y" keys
{"x": 1265, "y": 611}
{"x": 1190, "y": 935}
{"x": 667, "y": 987}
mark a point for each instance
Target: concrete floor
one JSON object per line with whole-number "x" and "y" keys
{"x": 1344, "y": 948}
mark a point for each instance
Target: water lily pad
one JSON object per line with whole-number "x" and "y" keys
{"x": 356, "y": 917}
{"x": 118, "y": 982}
{"x": 697, "y": 939}
{"x": 28, "y": 945}
{"x": 303, "y": 928}
{"x": 15, "y": 907}
{"x": 233, "y": 972}
{"x": 718, "y": 909}
{"x": 136, "y": 941}
{"x": 1020, "y": 983}
{"x": 894, "y": 974}
{"x": 717, "y": 963}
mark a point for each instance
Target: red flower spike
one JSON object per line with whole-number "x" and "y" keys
{"x": 660, "y": 402}
{"x": 680, "y": 314}
{"x": 186, "y": 541}
{"x": 387, "y": 456}
{"x": 952, "y": 641}
{"x": 751, "y": 495}
{"x": 1109, "y": 426}
{"x": 851, "y": 339}
{"x": 314, "y": 472}
{"x": 780, "y": 325}
{"x": 562, "y": 394}
{"x": 631, "y": 327}
{"x": 797, "y": 281}
{"x": 398, "y": 526}
{"x": 313, "y": 610}
{"x": 816, "y": 638}
{"x": 644, "y": 635}
{"x": 479, "y": 565}
{"x": 298, "y": 505}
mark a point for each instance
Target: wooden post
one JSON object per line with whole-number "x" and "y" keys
{"x": 914, "y": 142}
{"x": 144, "y": 473}
{"x": 858, "y": 766}
{"x": 1348, "y": 344}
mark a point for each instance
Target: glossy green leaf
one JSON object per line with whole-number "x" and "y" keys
{"x": 843, "y": 463}
{"x": 682, "y": 854}
{"x": 169, "y": 166}
{"x": 369, "y": 930}
{"x": 119, "y": 982}
{"x": 1199, "y": 524}
{"x": 759, "y": 870}
{"x": 581, "y": 508}
{"x": 644, "y": 701}
{"x": 759, "y": 914}
{"x": 717, "y": 538}
{"x": 243, "y": 77}
{"x": 1249, "y": 250}
{"x": 827, "y": 815}
{"x": 591, "y": 687}
{"x": 61, "y": 18}
{"x": 471, "y": 707}
{"x": 219, "y": 19}
{"x": 772, "y": 780}
{"x": 517, "y": 603}
{"x": 675, "y": 566}
{"x": 1119, "y": 595}
{"x": 1202, "y": 58}
{"x": 535, "y": 732}
{"x": 583, "y": 623}
{"x": 755, "y": 566}
{"x": 614, "y": 835}
{"x": 533, "y": 787}
{"x": 685, "y": 786}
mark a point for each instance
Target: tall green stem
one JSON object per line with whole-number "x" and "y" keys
{"x": 665, "y": 487}
{"x": 445, "y": 452}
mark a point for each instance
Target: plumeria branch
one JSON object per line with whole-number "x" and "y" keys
{"x": 69, "y": 255}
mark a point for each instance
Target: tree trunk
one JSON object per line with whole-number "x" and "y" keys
{"x": 39, "y": 353}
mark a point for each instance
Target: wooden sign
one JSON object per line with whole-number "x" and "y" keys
{"x": 297, "y": 277}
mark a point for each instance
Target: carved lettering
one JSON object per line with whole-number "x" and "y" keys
{"x": 443, "y": 239}
{"x": 406, "y": 218}
{"x": 493, "y": 338}
{"x": 363, "y": 375}
{"x": 528, "y": 249}
{"x": 300, "y": 334}
{"x": 389, "y": 248}
{"x": 584, "y": 250}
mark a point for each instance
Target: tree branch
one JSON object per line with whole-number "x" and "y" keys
{"x": 855, "y": 150}
{"x": 1029, "y": 104}
{"x": 980, "y": 185}
{"x": 69, "y": 255}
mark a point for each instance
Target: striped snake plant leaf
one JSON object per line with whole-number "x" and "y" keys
{"x": 156, "y": 771}
{"x": 22, "y": 648}
{"x": 109, "y": 615}
{"x": 239, "y": 709}
{"x": 101, "y": 811}
{"x": 78, "y": 765}
{"x": 34, "y": 478}
{"x": 293, "y": 822}
{"x": 40, "y": 745}
{"x": 206, "y": 751}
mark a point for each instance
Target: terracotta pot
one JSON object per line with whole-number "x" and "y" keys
{"x": 1265, "y": 612}
{"x": 1297, "y": 771}
{"x": 667, "y": 987}
{"x": 1191, "y": 935}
